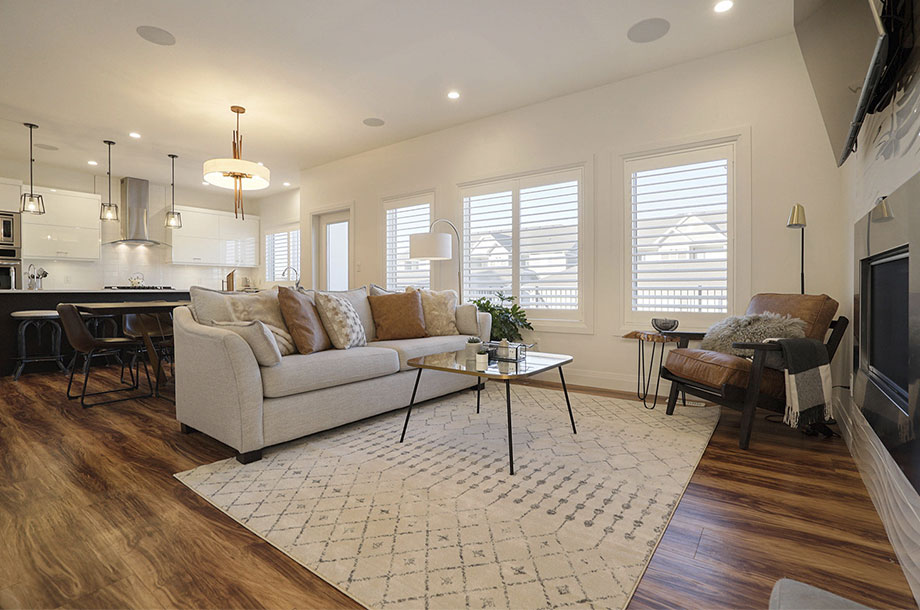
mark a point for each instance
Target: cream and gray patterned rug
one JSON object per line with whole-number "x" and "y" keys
{"x": 437, "y": 522}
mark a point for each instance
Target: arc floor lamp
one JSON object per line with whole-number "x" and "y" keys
{"x": 797, "y": 221}
{"x": 433, "y": 246}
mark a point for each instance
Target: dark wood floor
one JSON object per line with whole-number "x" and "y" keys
{"x": 90, "y": 516}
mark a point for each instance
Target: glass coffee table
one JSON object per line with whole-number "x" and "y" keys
{"x": 456, "y": 362}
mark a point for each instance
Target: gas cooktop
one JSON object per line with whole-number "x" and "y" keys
{"x": 139, "y": 288}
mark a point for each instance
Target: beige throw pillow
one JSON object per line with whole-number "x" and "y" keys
{"x": 440, "y": 307}
{"x": 358, "y": 300}
{"x": 212, "y": 306}
{"x": 341, "y": 321}
{"x": 260, "y": 340}
{"x": 468, "y": 320}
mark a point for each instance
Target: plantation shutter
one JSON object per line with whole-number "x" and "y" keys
{"x": 401, "y": 222}
{"x": 488, "y": 234}
{"x": 548, "y": 243}
{"x": 282, "y": 250}
{"x": 680, "y": 220}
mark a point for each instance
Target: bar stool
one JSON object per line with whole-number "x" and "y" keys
{"x": 38, "y": 318}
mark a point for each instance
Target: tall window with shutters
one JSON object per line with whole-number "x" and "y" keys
{"x": 405, "y": 217}
{"x": 521, "y": 237}
{"x": 282, "y": 250}
{"x": 680, "y": 232}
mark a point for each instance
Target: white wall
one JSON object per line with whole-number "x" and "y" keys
{"x": 763, "y": 88}
{"x": 117, "y": 262}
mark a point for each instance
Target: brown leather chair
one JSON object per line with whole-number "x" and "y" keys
{"x": 160, "y": 328}
{"x": 746, "y": 384}
{"x": 87, "y": 345}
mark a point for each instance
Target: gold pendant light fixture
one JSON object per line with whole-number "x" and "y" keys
{"x": 237, "y": 173}
{"x": 173, "y": 218}
{"x": 30, "y": 202}
{"x": 109, "y": 211}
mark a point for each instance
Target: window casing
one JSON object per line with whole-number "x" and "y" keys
{"x": 404, "y": 217}
{"x": 679, "y": 234}
{"x": 282, "y": 250}
{"x": 523, "y": 237}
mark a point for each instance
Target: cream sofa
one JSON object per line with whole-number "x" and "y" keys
{"x": 223, "y": 392}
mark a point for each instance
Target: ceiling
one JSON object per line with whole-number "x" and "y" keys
{"x": 310, "y": 71}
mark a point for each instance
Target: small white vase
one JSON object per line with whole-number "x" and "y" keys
{"x": 482, "y": 362}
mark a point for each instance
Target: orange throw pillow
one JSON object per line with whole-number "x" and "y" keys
{"x": 398, "y": 316}
{"x": 303, "y": 321}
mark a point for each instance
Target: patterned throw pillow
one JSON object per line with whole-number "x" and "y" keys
{"x": 341, "y": 321}
{"x": 440, "y": 307}
{"x": 215, "y": 306}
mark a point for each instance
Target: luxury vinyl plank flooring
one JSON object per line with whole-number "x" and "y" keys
{"x": 91, "y": 517}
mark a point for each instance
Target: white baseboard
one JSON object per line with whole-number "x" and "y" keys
{"x": 895, "y": 499}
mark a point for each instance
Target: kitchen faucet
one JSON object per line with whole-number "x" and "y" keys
{"x": 296, "y": 277}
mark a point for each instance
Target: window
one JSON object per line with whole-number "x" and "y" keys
{"x": 282, "y": 250}
{"x": 681, "y": 205}
{"x": 522, "y": 238}
{"x": 405, "y": 217}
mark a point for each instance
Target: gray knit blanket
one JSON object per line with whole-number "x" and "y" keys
{"x": 808, "y": 382}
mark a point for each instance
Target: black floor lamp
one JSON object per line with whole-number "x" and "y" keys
{"x": 797, "y": 221}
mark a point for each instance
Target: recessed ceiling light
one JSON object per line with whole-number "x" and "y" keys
{"x": 204, "y": 183}
{"x": 287, "y": 184}
{"x": 91, "y": 163}
{"x": 53, "y": 190}
{"x": 648, "y": 30}
{"x": 47, "y": 147}
{"x": 453, "y": 95}
{"x": 156, "y": 35}
{"x": 134, "y": 135}
{"x": 373, "y": 122}
{"x": 260, "y": 163}
{"x": 723, "y": 5}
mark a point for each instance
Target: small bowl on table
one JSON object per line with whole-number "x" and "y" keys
{"x": 664, "y": 325}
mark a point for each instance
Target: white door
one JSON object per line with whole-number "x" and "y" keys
{"x": 333, "y": 251}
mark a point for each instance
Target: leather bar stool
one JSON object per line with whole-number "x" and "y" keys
{"x": 85, "y": 344}
{"x": 38, "y": 319}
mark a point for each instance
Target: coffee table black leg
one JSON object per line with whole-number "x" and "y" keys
{"x": 567, "y": 403}
{"x": 411, "y": 402}
{"x": 508, "y": 401}
{"x": 478, "y": 390}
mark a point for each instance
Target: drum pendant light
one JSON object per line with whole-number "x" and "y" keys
{"x": 173, "y": 218}
{"x": 237, "y": 173}
{"x": 30, "y": 202}
{"x": 109, "y": 211}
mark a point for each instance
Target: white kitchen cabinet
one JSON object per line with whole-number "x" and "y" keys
{"x": 213, "y": 237}
{"x": 50, "y": 241}
{"x": 69, "y": 229}
{"x": 10, "y": 191}
{"x": 66, "y": 209}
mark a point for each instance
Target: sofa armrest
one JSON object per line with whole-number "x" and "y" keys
{"x": 218, "y": 383}
{"x": 485, "y": 325}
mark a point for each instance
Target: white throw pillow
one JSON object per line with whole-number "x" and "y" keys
{"x": 212, "y": 306}
{"x": 440, "y": 309}
{"x": 260, "y": 340}
{"x": 468, "y": 320}
{"x": 341, "y": 321}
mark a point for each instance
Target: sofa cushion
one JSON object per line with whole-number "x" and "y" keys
{"x": 212, "y": 306}
{"x": 715, "y": 369}
{"x": 398, "y": 316}
{"x": 306, "y": 372}
{"x": 261, "y": 340}
{"x": 303, "y": 321}
{"x": 468, "y": 320}
{"x": 426, "y": 346}
{"x": 817, "y": 310}
{"x": 358, "y": 299}
{"x": 341, "y": 321}
{"x": 440, "y": 307}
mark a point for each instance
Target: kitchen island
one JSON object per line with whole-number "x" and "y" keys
{"x": 18, "y": 300}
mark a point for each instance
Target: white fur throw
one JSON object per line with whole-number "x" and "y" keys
{"x": 752, "y": 328}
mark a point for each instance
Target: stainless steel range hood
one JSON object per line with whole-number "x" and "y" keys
{"x": 135, "y": 199}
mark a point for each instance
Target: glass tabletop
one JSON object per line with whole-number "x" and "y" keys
{"x": 457, "y": 362}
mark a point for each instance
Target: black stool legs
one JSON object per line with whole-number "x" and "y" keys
{"x": 25, "y": 358}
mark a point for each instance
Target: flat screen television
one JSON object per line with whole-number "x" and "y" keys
{"x": 846, "y": 52}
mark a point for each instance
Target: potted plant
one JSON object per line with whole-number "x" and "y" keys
{"x": 508, "y": 318}
{"x": 472, "y": 347}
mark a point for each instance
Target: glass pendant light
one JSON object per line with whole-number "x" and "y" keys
{"x": 109, "y": 211}
{"x": 173, "y": 218}
{"x": 30, "y": 202}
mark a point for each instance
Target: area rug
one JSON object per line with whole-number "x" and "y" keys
{"x": 438, "y": 522}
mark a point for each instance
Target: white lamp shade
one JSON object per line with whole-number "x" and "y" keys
{"x": 216, "y": 170}
{"x": 430, "y": 246}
